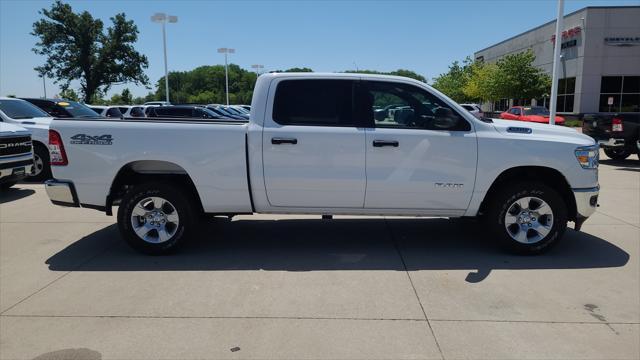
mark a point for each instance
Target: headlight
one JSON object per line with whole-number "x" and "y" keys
{"x": 588, "y": 156}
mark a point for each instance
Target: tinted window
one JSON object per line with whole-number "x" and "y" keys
{"x": 20, "y": 109}
{"x": 631, "y": 84}
{"x": 314, "y": 103}
{"x": 97, "y": 110}
{"x": 611, "y": 84}
{"x": 469, "y": 107}
{"x": 174, "y": 112}
{"x": 136, "y": 112}
{"x": 113, "y": 112}
{"x": 123, "y": 109}
{"x": 411, "y": 107}
{"x": 72, "y": 109}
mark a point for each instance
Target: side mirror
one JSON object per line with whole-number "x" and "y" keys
{"x": 445, "y": 118}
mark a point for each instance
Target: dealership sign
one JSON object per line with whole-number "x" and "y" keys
{"x": 622, "y": 40}
{"x": 568, "y": 34}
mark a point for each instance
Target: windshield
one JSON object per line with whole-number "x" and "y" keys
{"x": 75, "y": 109}
{"x": 20, "y": 109}
{"x": 536, "y": 110}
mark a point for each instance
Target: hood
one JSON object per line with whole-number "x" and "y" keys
{"x": 521, "y": 129}
{"x": 11, "y": 129}
{"x": 543, "y": 119}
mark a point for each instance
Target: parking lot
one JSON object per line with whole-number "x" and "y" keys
{"x": 300, "y": 287}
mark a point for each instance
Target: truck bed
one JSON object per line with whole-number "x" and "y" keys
{"x": 211, "y": 152}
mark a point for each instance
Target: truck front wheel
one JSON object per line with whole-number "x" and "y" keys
{"x": 155, "y": 218}
{"x": 527, "y": 218}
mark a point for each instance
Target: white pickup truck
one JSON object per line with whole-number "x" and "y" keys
{"x": 329, "y": 144}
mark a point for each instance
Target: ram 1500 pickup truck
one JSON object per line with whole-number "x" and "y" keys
{"x": 618, "y": 134}
{"x": 16, "y": 154}
{"x": 314, "y": 146}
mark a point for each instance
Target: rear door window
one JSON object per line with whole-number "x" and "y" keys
{"x": 313, "y": 102}
{"x": 114, "y": 112}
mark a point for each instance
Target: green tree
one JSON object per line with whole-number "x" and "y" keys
{"x": 453, "y": 81}
{"x": 68, "y": 94}
{"x": 77, "y": 48}
{"x": 126, "y": 97}
{"x": 517, "y": 78}
{"x": 297, "y": 69}
{"x": 482, "y": 84}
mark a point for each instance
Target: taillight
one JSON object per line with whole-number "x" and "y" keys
{"x": 616, "y": 124}
{"x": 56, "y": 149}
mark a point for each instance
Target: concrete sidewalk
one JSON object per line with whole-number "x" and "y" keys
{"x": 295, "y": 287}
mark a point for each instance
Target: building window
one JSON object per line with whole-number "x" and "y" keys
{"x": 620, "y": 94}
{"x": 501, "y": 105}
{"x": 566, "y": 91}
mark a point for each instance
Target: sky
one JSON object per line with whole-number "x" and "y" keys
{"x": 423, "y": 36}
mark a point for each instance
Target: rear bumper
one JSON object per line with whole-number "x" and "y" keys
{"x": 612, "y": 142}
{"x": 586, "y": 201}
{"x": 62, "y": 193}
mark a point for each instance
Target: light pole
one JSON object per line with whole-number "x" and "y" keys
{"x": 258, "y": 68}
{"x": 163, "y": 18}
{"x": 556, "y": 62}
{"x": 226, "y": 51}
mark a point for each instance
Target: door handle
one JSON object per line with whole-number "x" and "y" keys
{"x": 381, "y": 143}
{"x": 279, "y": 141}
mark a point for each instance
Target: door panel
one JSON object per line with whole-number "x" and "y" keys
{"x": 427, "y": 170}
{"x": 324, "y": 168}
{"x": 313, "y": 152}
{"x": 421, "y": 153}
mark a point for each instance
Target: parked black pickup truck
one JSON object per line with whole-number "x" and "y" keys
{"x": 618, "y": 134}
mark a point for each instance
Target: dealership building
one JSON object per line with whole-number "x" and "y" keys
{"x": 600, "y": 60}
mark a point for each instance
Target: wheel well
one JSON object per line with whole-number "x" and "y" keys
{"x": 548, "y": 176}
{"x": 41, "y": 145}
{"x": 139, "y": 172}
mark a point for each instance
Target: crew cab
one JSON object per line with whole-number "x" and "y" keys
{"x": 618, "y": 134}
{"x": 16, "y": 155}
{"x": 314, "y": 145}
{"x": 538, "y": 114}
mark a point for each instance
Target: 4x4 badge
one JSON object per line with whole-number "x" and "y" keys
{"x": 91, "y": 140}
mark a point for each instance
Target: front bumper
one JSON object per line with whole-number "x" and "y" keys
{"x": 16, "y": 169}
{"x": 62, "y": 193}
{"x": 586, "y": 201}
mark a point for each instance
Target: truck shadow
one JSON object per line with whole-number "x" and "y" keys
{"x": 630, "y": 164}
{"x": 342, "y": 244}
{"x": 14, "y": 193}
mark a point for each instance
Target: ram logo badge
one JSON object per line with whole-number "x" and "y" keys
{"x": 85, "y": 139}
{"x": 451, "y": 186}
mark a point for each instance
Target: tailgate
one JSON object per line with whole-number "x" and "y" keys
{"x": 598, "y": 126}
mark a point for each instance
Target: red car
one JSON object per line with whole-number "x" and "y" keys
{"x": 537, "y": 114}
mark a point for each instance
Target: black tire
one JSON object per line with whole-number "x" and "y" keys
{"x": 179, "y": 200}
{"x": 503, "y": 201}
{"x": 7, "y": 185}
{"x": 617, "y": 153}
{"x": 45, "y": 172}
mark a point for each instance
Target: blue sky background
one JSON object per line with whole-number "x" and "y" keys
{"x": 423, "y": 36}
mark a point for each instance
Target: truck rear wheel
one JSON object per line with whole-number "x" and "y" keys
{"x": 156, "y": 218}
{"x": 617, "y": 153}
{"x": 527, "y": 218}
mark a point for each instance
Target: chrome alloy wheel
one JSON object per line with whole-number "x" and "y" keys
{"x": 528, "y": 220}
{"x": 155, "y": 220}
{"x": 38, "y": 165}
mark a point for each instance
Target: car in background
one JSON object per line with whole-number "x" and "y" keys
{"x": 537, "y": 114}
{"x": 61, "y": 108}
{"x": 24, "y": 114}
{"x": 16, "y": 154}
{"x": 246, "y": 107}
{"x": 232, "y": 110}
{"x": 474, "y": 109}
{"x": 618, "y": 134}
{"x": 107, "y": 111}
{"x": 182, "y": 111}
{"x": 158, "y": 103}
{"x": 222, "y": 112}
{"x": 134, "y": 111}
